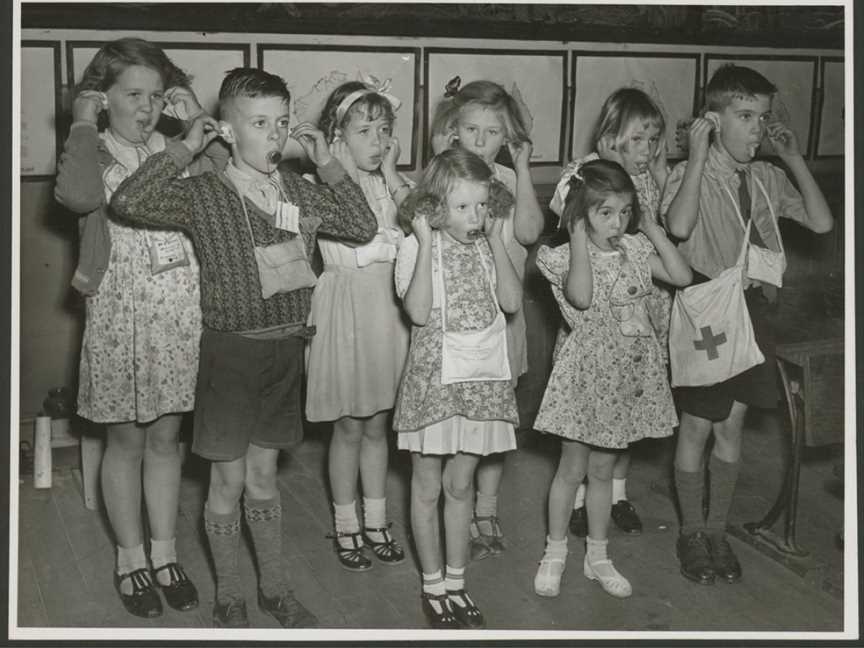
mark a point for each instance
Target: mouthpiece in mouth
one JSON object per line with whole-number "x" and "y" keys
{"x": 273, "y": 157}
{"x": 474, "y": 234}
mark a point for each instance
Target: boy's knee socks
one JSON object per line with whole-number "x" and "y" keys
{"x": 264, "y": 518}
{"x": 722, "y": 476}
{"x": 223, "y": 535}
{"x": 690, "y": 487}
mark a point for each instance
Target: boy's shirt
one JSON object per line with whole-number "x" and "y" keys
{"x": 208, "y": 208}
{"x": 716, "y": 239}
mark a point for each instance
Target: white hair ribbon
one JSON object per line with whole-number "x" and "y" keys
{"x": 372, "y": 85}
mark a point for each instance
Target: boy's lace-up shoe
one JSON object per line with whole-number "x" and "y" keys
{"x": 694, "y": 554}
{"x": 726, "y": 564}
{"x": 230, "y": 613}
{"x": 287, "y": 610}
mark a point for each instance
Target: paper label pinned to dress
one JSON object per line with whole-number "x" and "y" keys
{"x": 166, "y": 252}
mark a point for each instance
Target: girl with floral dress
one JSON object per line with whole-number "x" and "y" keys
{"x": 139, "y": 355}
{"x": 608, "y": 385}
{"x": 630, "y": 131}
{"x": 482, "y": 117}
{"x": 456, "y": 403}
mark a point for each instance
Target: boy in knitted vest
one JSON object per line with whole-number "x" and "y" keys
{"x": 254, "y": 226}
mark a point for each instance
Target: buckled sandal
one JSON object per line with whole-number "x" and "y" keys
{"x": 143, "y": 601}
{"x": 351, "y": 558}
{"x": 443, "y": 620}
{"x": 469, "y": 614}
{"x": 180, "y": 593}
{"x": 388, "y": 551}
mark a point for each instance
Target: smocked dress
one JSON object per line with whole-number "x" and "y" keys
{"x": 356, "y": 357}
{"x": 472, "y": 417}
{"x": 608, "y": 385}
{"x": 139, "y": 353}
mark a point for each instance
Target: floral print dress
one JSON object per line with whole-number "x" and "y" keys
{"x": 432, "y": 418}
{"x": 608, "y": 385}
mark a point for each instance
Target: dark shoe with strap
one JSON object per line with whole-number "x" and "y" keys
{"x": 625, "y": 517}
{"x": 443, "y": 620}
{"x": 180, "y": 593}
{"x": 230, "y": 613}
{"x": 467, "y": 613}
{"x": 694, "y": 554}
{"x": 351, "y": 558}
{"x": 388, "y": 551}
{"x": 144, "y": 601}
{"x": 726, "y": 564}
{"x": 579, "y": 522}
{"x": 287, "y": 610}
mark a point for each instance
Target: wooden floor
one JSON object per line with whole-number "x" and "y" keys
{"x": 65, "y": 555}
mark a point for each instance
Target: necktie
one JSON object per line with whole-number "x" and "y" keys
{"x": 744, "y": 202}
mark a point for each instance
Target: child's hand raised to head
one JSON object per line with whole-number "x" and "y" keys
{"x": 783, "y": 139}
{"x": 658, "y": 165}
{"x": 87, "y": 106}
{"x": 607, "y": 151}
{"x": 391, "y": 155}
{"x": 520, "y": 152}
{"x": 421, "y": 229}
{"x": 494, "y": 229}
{"x": 182, "y": 103}
{"x": 313, "y": 142}
{"x": 203, "y": 130}
{"x": 700, "y": 130}
{"x": 339, "y": 150}
{"x": 443, "y": 141}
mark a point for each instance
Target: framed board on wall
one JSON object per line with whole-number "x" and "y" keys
{"x": 670, "y": 79}
{"x": 535, "y": 79}
{"x": 312, "y": 72}
{"x": 40, "y": 106}
{"x": 795, "y": 80}
{"x": 206, "y": 63}
{"x": 830, "y": 140}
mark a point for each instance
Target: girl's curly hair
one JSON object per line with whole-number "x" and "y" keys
{"x": 429, "y": 197}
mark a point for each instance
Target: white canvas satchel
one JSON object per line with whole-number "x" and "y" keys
{"x": 710, "y": 334}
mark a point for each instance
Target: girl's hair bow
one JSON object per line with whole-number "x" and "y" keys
{"x": 373, "y": 85}
{"x": 451, "y": 89}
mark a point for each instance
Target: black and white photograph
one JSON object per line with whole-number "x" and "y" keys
{"x": 367, "y": 322}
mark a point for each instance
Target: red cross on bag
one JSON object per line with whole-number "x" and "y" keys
{"x": 710, "y": 334}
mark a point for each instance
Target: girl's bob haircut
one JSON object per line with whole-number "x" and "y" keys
{"x": 485, "y": 94}
{"x": 370, "y": 105}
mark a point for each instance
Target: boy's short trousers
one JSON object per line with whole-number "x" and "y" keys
{"x": 248, "y": 392}
{"x": 756, "y": 387}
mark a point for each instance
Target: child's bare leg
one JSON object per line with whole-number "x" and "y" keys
{"x": 571, "y": 471}
{"x": 457, "y": 482}
{"x": 489, "y": 473}
{"x": 598, "y": 502}
{"x": 344, "y": 459}
{"x": 572, "y": 467}
{"x": 121, "y": 481}
{"x": 162, "y": 475}
{"x": 598, "y": 497}
{"x": 425, "y": 491}
{"x": 693, "y": 434}
{"x": 121, "y": 491}
{"x": 622, "y": 466}
{"x": 373, "y": 456}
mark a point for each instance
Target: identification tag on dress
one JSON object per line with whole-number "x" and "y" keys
{"x": 166, "y": 252}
